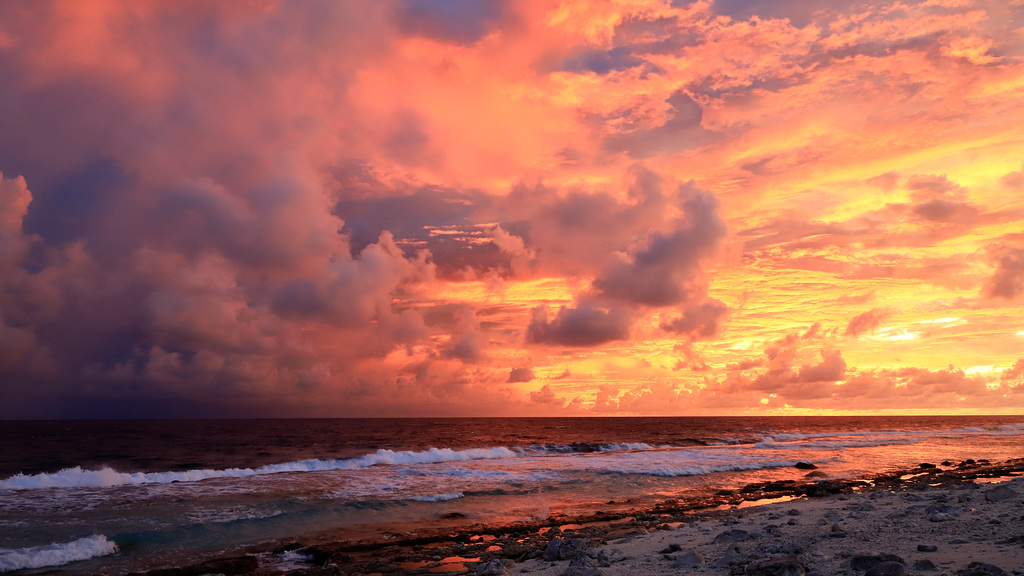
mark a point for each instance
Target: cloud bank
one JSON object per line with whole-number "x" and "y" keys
{"x": 493, "y": 208}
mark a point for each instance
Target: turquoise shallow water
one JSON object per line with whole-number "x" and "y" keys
{"x": 115, "y": 496}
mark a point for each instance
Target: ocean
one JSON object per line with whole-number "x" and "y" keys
{"x": 111, "y": 497}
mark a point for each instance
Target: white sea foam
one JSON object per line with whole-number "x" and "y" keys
{"x": 891, "y": 437}
{"x": 56, "y": 554}
{"x": 78, "y": 477}
{"x": 700, "y": 470}
{"x": 687, "y": 461}
{"x": 837, "y": 443}
{"x": 583, "y": 447}
{"x": 285, "y": 561}
{"x": 230, "y": 514}
{"x": 437, "y": 497}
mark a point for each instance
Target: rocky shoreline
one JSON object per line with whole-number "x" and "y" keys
{"x": 937, "y": 519}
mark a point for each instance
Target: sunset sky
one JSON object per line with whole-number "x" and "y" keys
{"x": 491, "y": 208}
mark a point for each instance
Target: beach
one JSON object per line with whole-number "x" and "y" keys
{"x": 963, "y": 519}
{"x": 393, "y": 496}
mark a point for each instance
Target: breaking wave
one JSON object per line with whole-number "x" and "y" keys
{"x": 77, "y": 477}
{"x": 584, "y": 447}
{"x": 56, "y": 554}
{"x": 850, "y": 439}
{"x": 437, "y": 497}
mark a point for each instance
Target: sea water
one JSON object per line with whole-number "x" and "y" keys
{"x": 117, "y": 496}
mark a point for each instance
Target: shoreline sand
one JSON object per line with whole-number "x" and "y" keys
{"x": 950, "y": 519}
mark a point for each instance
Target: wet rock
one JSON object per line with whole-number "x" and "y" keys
{"x": 927, "y": 548}
{"x": 865, "y": 562}
{"x": 733, "y": 535}
{"x": 779, "y": 486}
{"x": 226, "y": 566}
{"x": 816, "y": 474}
{"x": 925, "y": 565}
{"x": 785, "y": 566}
{"x": 805, "y": 466}
{"x": 824, "y": 488}
{"x": 981, "y": 569}
{"x": 496, "y": 567}
{"x": 581, "y": 565}
{"x": 999, "y": 493}
{"x": 927, "y": 466}
{"x": 562, "y": 549}
{"x": 889, "y": 568}
{"x": 793, "y": 512}
{"x": 689, "y": 560}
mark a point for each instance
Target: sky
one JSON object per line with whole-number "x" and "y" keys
{"x": 260, "y": 208}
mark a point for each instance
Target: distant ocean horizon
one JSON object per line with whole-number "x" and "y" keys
{"x": 112, "y": 496}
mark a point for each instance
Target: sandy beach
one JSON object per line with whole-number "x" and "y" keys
{"x": 963, "y": 519}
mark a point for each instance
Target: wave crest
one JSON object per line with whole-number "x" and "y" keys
{"x": 56, "y": 554}
{"x": 77, "y": 477}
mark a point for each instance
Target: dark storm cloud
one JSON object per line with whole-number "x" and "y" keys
{"x": 698, "y": 321}
{"x": 468, "y": 342}
{"x": 584, "y": 324}
{"x": 521, "y": 374}
{"x": 459, "y": 21}
{"x": 681, "y": 131}
{"x": 172, "y": 247}
{"x": 602, "y": 61}
{"x": 409, "y": 142}
{"x": 665, "y": 269}
{"x": 799, "y": 13}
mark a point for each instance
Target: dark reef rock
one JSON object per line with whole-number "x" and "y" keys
{"x": 562, "y": 549}
{"x": 865, "y": 562}
{"x": 226, "y": 566}
{"x": 981, "y": 569}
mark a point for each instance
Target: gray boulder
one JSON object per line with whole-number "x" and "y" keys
{"x": 581, "y": 565}
{"x": 562, "y": 549}
{"x": 999, "y": 493}
{"x": 496, "y": 567}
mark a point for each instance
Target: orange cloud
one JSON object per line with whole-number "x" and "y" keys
{"x": 384, "y": 207}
